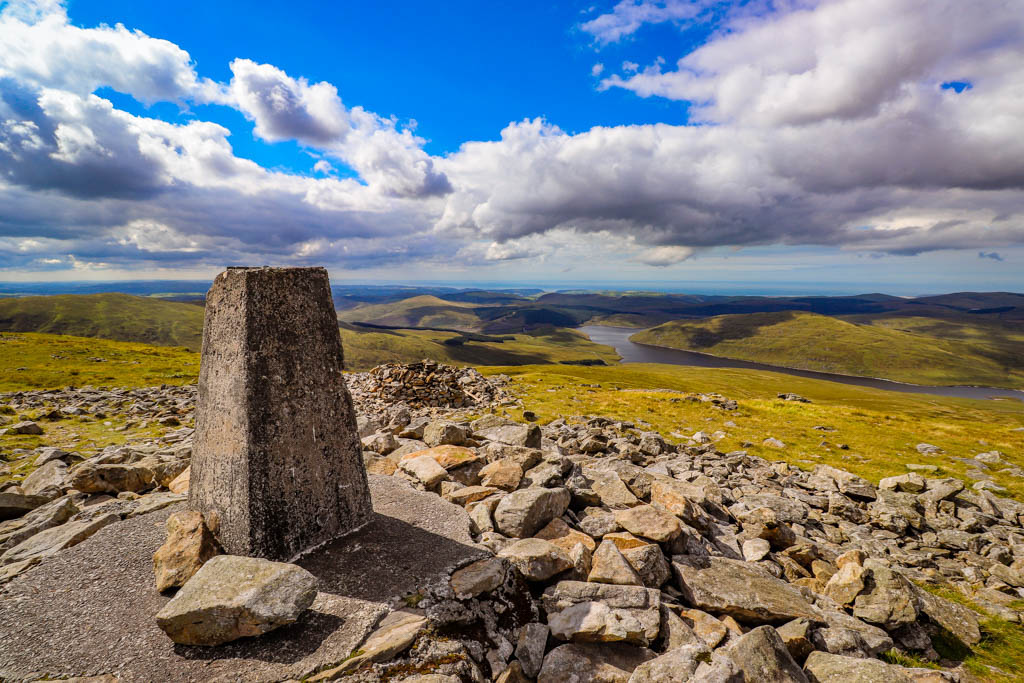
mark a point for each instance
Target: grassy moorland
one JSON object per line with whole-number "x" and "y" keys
{"x": 906, "y": 349}
{"x": 50, "y": 361}
{"x": 881, "y": 428}
{"x": 121, "y": 317}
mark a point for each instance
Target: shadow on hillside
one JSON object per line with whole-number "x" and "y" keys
{"x": 740, "y": 327}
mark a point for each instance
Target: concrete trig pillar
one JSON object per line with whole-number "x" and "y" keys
{"x": 276, "y": 452}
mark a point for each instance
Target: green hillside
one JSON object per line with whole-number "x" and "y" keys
{"x": 120, "y": 317}
{"x": 366, "y": 348}
{"x": 903, "y": 351}
{"x": 418, "y": 311}
{"x": 50, "y": 361}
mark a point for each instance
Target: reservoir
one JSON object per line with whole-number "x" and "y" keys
{"x": 631, "y": 352}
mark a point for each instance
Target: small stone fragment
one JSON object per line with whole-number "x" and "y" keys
{"x": 609, "y": 566}
{"x": 188, "y": 546}
{"x": 479, "y": 577}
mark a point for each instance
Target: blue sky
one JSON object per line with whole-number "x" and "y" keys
{"x": 461, "y": 70}
{"x": 838, "y": 145}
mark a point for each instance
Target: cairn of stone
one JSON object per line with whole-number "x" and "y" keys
{"x": 427, "y": 384}
{"x": 276, "y": 459}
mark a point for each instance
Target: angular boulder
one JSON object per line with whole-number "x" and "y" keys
{"x": 743, "y": 591}
{"x": 524, "y": 512}
{"x": 188, "y": 546}
{"x": 595, "y": 612}
{"x": 233, "y": 597}
{"x": 762, "y": 656}
{"x": 584, "y": 663}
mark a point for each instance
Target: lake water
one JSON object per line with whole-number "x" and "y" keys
{"x": 631, "y": 352}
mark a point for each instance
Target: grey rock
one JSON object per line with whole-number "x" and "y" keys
{"x": 46, "y": 479}
{"x": 16, "y": 504}
{"x": 955, "y": 618}
{"x": 54, "y": 513}
{"x": 441, "y": 433}
{"x": 849, "y": 484}
{"x": 522, "y": 513}
{"x": 232, "y": 597}
{"x": 740, "y": 590}
{"x": 822, "y": 667}
{"x": 591, "y": 663}
{"x": 591, "y": 486}
{"x": 841, "y": 641}
{"x": 596, "y": 612}
{"x": 528, "y": 436}
{"x": 888, "y": 599}
{"x": 796, "y": 635}
{"x": 536, "y": 559}
{"x": 762, "y": 656}
{"x": 530, "y": 647}
{"x": 675, "y": 666}
{"x": 650, "y": 563}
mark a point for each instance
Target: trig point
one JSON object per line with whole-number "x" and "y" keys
{"x": 276, "y": 453}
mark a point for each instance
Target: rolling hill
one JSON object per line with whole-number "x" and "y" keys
{"x": 898, "y": 350}
{"x": 121, "y": 317}
{"x": 418, "y": 311}
{"x": 155, "y": 321}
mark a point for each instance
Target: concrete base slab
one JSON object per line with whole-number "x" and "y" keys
{"x": 90, "y": 609}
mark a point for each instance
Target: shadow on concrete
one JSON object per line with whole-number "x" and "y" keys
{"x": 90, "y": 610}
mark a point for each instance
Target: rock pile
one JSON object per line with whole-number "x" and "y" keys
{"x": 424, "y": 384}
{"x": 617, "y": 555}
{"x": 654, "y": 561}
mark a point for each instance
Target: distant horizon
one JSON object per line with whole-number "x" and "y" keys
{"x": 55, "y": 287}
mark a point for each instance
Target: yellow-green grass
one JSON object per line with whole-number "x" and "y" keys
{"x": 49, "y": 361}
{"x": 997, "y": 657}
{"x": 817, "y": 342}
{"x": 417, "y": 311}
{"x": 881, "y": 428}
{"x": 365, "y": 349}
{"x": 121, "y": 317}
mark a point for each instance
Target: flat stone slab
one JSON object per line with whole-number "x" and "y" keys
{"x": 90, "y": 610}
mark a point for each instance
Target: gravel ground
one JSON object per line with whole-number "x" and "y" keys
{"x": 89, "y": 610}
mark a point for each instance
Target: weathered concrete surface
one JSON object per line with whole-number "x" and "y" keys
{"x": 277, "y": 453}
{"x": 90, "y": 609}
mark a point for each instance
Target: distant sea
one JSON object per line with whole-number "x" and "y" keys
{"x": 179, "y": 288}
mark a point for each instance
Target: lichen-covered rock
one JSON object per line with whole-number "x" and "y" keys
{"x": 233, "y": 597}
